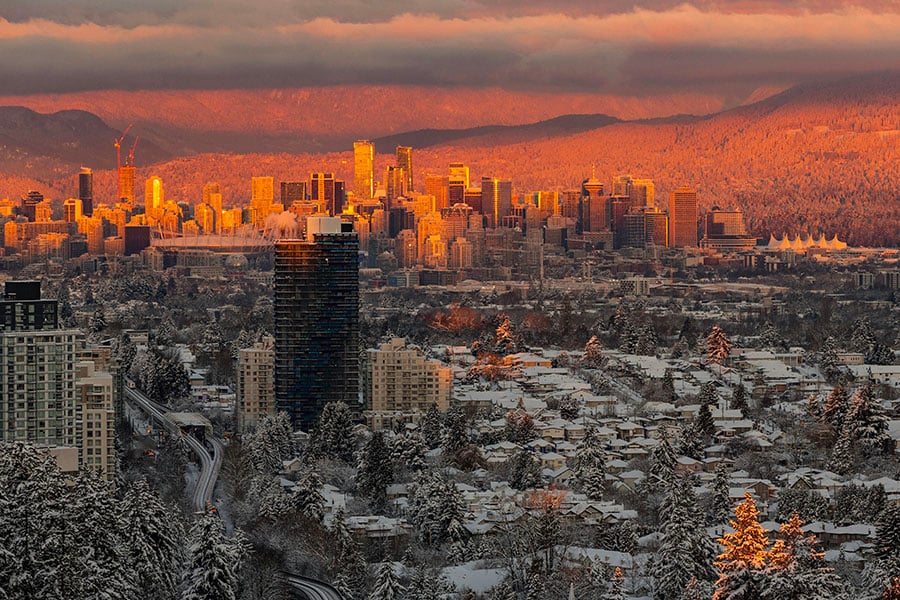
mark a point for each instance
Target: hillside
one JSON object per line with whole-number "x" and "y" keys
{"x": 330, "y": 118}
{"x": 43, "y": 146}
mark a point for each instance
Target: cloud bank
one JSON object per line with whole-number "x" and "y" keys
{"x": 724, "y": 47}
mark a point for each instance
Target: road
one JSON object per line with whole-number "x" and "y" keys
{"x": 210, "y": 464}
{"x": 311, "y": 589}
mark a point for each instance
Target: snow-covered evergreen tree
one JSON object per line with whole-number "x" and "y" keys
{"x": 616, "y": 586}
{"x": 662, "y": 464}
{"x": 668, "y": 387}
{"x": 590, "y": 465}
{"x": 593, "y": 353}
{"x": 739, "y": 399}
{"x": 387, "y": 584}
{"x": 436, "y": 509}
{"x": 742, "y": 562}
{"x": 689, "y": 442}
{"x": 153, "y": 541}
{"x": 433, "y": 427}
{"x": 333, "y": 436}
{"x": 455, "y": 431}
{"x": 307, "y": 499}
{"x": 797, "y": 570}
{"x": 525, "y": 470}
{"x": 212, "y": 563}
{"x": 835, "y": 408}
{"x": 721, "y": 497}
{"x": 408, "y": 452}
{"x": 842, "y": 459}
{"x": 686, "y": 552}
{"x": 426, "y": 584}
{"x": 718, "y": 346}
{"x": 862, "y": 337}
{"x": 868, "y": 421}
{"x": 888, "y": 532}
{"x": 704, "y": 423}
{"x": 769, "y": 338}
{"x": 709, "y": 394}
{"x": 374, "y": 470}
{"x": 828, "y": 359}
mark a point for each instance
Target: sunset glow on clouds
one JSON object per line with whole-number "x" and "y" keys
{"x": 727, "y": 48}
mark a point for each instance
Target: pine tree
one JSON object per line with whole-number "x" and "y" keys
{"x": 504, "y": 591}
{"x": 455, "y": 432}
{"x": 350, "y": 566}
{"x": 374, "y": 470}
{"x": 689, "y": 443}
{"x": 718, "y": 347}
{"x": 662, "y": 464}
{"x": 868, "y": 421}
{"x": 427, "y": 585}
{"x": 835, "y": 408}
{"x": 593, "y": 353}
{"x": 525, "y": 471}
{"x": 709, "y": 394}
{"x": 211, "y": 572}
{"x": 686, "y": 552}
{"x": 668, "y": 387}
{"x": 387, "y": 584}
{"x": 307, "y": 498}
{"x": 432, "y": 427}
{"x": 153, "y": 541}
{"x": 616, "y": 586}
{"x": 887, "y": 542}
{"x": 769, "y": 337}
{"x": 880, "y": 354}
{"x": 704, "y": 422}
{"x": 647, "y": 340}
{"x": 892, "y": 591}
{"x": 721, "y": 497}
{"x": 796, "y": 568}
{"x": 408, "y": 452}
{"x": 590, "y": 465}
{"x": 333, "y": 436}
{"x": 739, "y": 399}
{"x": 828, "y": 359}
{"x": 743, "y": 559}
{"x": 98, "y": 321}
{"x": 842, "y": 459}
{"x": 536, "y": 588}
{"x": 863, "y": 338}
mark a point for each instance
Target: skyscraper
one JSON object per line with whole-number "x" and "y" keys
{"x": 404, "y": 161}
{"x": 153, "y": 194}
{"x": 496, "y": 199}
{"x": 317, "y": 320}
{"x": 594, "y": 215}
{"x": 262, "y": 196}
{"x": 126, "y": 184}
{"x": 363, "y": 170}
{"x": 292, "y": 191}
{"x": 394, "y": 184}
{"x": 322, "y": 191}
{"x": 683, "y": 217}
{"x": 86, "y": 191}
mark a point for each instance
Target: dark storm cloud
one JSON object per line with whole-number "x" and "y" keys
{"x": 53, "y": 46}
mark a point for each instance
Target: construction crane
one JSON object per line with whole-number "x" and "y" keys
{"x": 130, "y": 161}
{"x": 118, "y": 145}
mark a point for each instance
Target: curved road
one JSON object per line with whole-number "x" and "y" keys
{"x": 305, "y": 587}
{"x": 210, "y": 464}
{"x": 311, "y": 589}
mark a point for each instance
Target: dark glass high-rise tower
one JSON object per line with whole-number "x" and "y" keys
{"x": 86, "y": 191}
{"x": 317, "y": 320}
